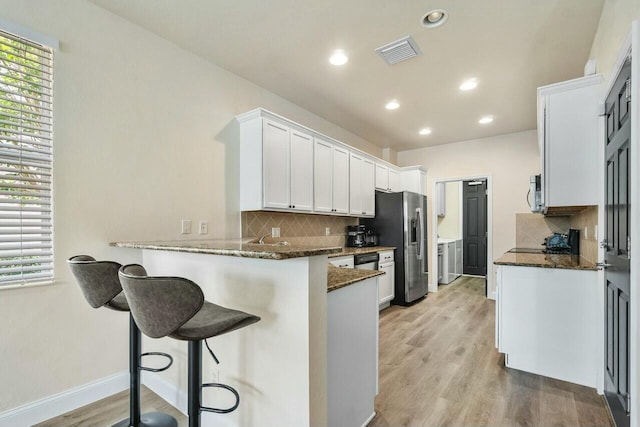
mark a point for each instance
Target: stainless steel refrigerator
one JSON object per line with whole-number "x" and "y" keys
{"x": 400, "y": 221}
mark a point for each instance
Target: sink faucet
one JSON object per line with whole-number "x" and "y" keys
{"x": 261, "y": 240}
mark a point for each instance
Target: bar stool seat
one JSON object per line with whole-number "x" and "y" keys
{"x": 101, "y": 287}
{"x": 175, "y": 307}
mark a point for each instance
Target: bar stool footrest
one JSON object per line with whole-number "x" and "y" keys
{"x": 218, "y": 410}
{"x": 151, "y": 419}
{"x": 156, "y": 353}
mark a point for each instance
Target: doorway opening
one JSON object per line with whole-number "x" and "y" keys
{"x": 461, "y": 237}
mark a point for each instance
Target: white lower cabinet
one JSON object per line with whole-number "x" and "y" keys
{"x": 547, "y": 322}
{"x": 386, "y": 283}
{"x": 352, "y": 354}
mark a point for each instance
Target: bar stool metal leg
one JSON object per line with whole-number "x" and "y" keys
{"x": 195, "y": 383}
{"x": 151, "y": 419}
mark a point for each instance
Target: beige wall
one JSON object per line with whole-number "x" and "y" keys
{"x": 614, "y": 26}
{"x": 509, "y": 159}
{"x": 144, "y": 136}
{"x": 449, "y": 225}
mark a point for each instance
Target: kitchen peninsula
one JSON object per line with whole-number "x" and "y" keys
{"x": 289, "y": 368}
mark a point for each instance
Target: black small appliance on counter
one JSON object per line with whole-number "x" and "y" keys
{"x": 356, "y": 236}
{"x": 359, "y": 236}
{"x": 567, "y": 244}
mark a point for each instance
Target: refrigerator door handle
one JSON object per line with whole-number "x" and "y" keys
{"x": 420, "y": 224}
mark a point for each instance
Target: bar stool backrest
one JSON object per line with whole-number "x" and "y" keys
{"x": 98, "y": 280}
{"x": 160, "y": 305}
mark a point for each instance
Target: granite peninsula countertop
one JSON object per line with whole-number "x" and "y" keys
{"x": 571, "y": 262}
{"x": 360, "y": 251}
{"x": 239, "y": 248}
{"x": 340, "y": 277}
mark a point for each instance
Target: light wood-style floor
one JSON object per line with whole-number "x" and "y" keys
{"x": 438, "y": 367}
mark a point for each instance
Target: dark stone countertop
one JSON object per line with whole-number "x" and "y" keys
{"x": 340, "y": 277}
{"x": 237, "y": 248}
{"x": 571, "y": 262}
{"x": 359, "y": 251}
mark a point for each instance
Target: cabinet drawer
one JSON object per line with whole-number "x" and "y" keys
{"x": 386, "y": 256}
{"x": 342, "y": 262}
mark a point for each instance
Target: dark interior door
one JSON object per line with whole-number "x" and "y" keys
{"x": 617, "y": 254}
{"x": 474, "y": 227}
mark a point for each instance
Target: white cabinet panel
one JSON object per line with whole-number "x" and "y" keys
{"x": 368, "y": 188}
{"x": 569, "y": 138}
{"x": 546, "y": 322}
{"x": 323, "y": 176}
{"x": 340, "y": 180}
{"x": 361, "y": 186}
{"x": 386, "y": 290}
{"x": 394, "y": 181}
{"x": 382, "y": 177}
{"x": 301, "y": 166}
{"x": 276, "y": 165}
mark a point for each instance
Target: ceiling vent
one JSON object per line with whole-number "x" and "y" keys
{"x": 399, "y": 50}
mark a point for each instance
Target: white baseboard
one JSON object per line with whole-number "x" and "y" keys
{"x": 58, "y": 404}
{"x": 166, "y": 390}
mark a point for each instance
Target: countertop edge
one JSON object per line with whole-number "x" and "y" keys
{"x": 267, "y": 253}
{"x": 541, "y": 261}
{"x": 353, "y": 276}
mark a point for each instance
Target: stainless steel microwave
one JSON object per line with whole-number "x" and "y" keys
{"x": 534, "y": 197}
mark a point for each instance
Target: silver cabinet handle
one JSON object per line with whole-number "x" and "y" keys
{"x": 603, "y": 265}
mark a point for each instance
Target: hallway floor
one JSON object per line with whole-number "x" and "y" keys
{"x": 439, "y": 367}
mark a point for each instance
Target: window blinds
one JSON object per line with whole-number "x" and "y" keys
{"x": 26, "y": 227}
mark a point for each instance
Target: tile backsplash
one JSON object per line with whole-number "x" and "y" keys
{"x": 296, "y": 228}
{"x": 531, "y": 229}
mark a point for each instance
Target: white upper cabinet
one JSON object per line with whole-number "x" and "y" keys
{"x": 276, "y": 165}
{"x": 569, "y": 142}
{"x": 285, "y": 166}
{"x": 387, "y": 179}
{"x": 288, "y": 167}
{"x": 340, "y": 180}
{"x": 361, "y": 186}
{"x": 331, "y": 175}
{"x": 414, "y": 179}
{"x": 301, "y": 175}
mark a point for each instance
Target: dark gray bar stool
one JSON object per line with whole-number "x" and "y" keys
{"x": 175, "y": 307}
{"x": 101, "y": 288}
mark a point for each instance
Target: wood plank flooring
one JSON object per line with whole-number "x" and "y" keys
{"x": 113, "y": 409}
{"x": 438, "y": 367}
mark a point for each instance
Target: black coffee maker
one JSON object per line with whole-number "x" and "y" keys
{"x": 356, "y": 236}
{"x": 573, "y": 240}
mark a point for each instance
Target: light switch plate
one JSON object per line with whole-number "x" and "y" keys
{"x": 186, "y": 226}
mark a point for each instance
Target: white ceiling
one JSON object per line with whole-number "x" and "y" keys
{"x": 510, "y": 46}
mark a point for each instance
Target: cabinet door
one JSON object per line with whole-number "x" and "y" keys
{"x": 323, "y": 176}
{"x": 368, "y": 188}
{"x": 382, "y": 177}
{"x": 301, "y": 176}
{"x": 394, "y": 181}
{"x": 275, "y": 165}
{"x": 355, "y": 185}
{"x": 386, "y": 282}
{"x": 340, "y": 180}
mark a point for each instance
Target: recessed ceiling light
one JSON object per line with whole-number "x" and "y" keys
{"x": 485, "y": 120}
{"x": 434, "y": 18}
{"x": 392, "y": 105}
{"x": 339, "y": 57}
{"x": 425, "y": 131}
{"x": 469, "y": 84}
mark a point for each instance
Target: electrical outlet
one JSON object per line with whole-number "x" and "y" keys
{"x": 186, "y": 226}
{"x": 586, "y": 233}
{"x": 275, "y": 231}
{"x": 327, "y": 231}
{"x": 204, "y": 227}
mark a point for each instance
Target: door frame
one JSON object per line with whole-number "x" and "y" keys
{"x": 433, "y": 273}
{"x": 630, "y": 45}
